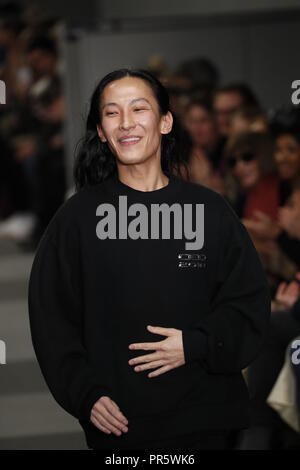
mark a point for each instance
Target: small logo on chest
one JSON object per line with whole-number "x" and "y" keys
{"x": 191, "y": 260}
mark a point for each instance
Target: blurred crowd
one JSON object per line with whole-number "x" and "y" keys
{"x": 33, "y": 175}
{"x": 249, "y": 154}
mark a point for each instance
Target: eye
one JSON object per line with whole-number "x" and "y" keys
{"x": 139, "y": 109}
{"x": 111, "y": 113}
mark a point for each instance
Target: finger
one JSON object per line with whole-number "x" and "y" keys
{"x": 160, "y": 371}
{"x": 105, "y": 419}
{"x": 147, "y": 346}
{"x": 292, "y": 288}
{"x": 99, "y": 425}
{"x": 281, "y": 288}
{"x": 112, "y": 419}
{"x": 116, "y": 412}
{"x": 151, "y": 365}
{"x": 144, "y": 358}
{"x": 160, "y": 330}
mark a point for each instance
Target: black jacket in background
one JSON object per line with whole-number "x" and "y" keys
{"x": 89, "y": 298}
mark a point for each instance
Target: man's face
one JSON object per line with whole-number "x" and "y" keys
{"x": 225, "y": 105}
{"x": 131, "y": 122}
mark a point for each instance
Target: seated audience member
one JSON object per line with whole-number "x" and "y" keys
{"x": 279, "y": 235}
{"x": 248, "y": 158}
{"x": 267, "y": 430}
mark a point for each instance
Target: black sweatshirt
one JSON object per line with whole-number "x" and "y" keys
{"x": 107, "y": 266}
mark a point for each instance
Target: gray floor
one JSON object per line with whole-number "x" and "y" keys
{"x": 30, "y": 418}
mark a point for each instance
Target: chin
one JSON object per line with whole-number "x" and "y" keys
{"x": 130, "y": 159}
{"x": 286, "y": 175}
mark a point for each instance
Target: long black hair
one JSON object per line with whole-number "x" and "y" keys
{"x": 95, "y": 162}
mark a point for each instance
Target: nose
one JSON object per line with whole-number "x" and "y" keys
{"x": 126, "y": 121}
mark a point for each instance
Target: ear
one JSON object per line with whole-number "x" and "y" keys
{"x": 166, "y": 123}
{"x": 101, "y": 134}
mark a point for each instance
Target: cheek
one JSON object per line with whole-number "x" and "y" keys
{"x": 292, "y": 162}
{"x": 296, "y": 160}
{"x": 208, "y": 129}
{"x": 148, "y": 124}
{"x": 109, "y": 129}
{"x": 254, "y": 168}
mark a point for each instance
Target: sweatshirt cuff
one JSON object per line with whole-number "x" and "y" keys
{"x": 194, "y": 344}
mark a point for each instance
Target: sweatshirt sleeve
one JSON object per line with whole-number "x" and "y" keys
{"x": 55, "y": 316}
{"x": 230, "y": 336}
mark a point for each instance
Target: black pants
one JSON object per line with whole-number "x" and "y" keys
{"x": 203, "y": 440}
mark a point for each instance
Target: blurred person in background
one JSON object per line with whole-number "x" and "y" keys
{"x": 268, "y": 430}
{"x": 198, "y": 77}
{"x": 228, "y": 100}
{"x": 283, "y": 236}
{"x": 50, "y": 185}
{"x": 203, "y": 74}
{"x": 35, "y": 135}
{"x": 201, "y": 125}
{"x": 249, "y": 159}
{"x": 249, "y": 119}
{"x": 285, "y": 128}
{"x": 12, "y": 51}
{"x": 205, "y": 152}
{"x": 42, "y": 58}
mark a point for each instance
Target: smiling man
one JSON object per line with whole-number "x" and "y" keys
{"x": 143, "y": 317}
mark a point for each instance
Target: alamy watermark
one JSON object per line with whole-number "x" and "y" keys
{"x": 295, "y": 356}
{"x": 2, "y": 92}
{"x": 2, "y": 352}
{"x": 296, "y": 94}
{"x": 160, "y": 218}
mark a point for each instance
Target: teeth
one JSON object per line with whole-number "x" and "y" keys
{"x": 130, "y": 139}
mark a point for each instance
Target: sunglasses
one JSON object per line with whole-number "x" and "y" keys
{"x": 245, "y": 157}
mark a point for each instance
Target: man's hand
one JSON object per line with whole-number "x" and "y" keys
{"x": 107, "y": 417}
{"x": 168, "y": 354}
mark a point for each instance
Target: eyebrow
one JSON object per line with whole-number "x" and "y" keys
{"x": 132, "y": 101}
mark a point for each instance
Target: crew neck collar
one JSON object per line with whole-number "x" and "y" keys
{"x": 166, "y": 190}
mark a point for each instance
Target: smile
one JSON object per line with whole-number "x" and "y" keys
{"x": 130, "y": 140}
